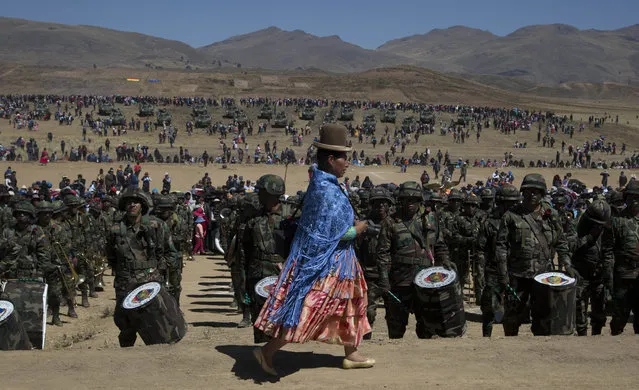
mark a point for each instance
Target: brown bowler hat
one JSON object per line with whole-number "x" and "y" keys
{"x": 333, "y": 137}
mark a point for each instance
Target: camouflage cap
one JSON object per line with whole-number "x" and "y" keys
{"x": 508, "y": 192}
{"x": 410, "y": 189}
{"x": 44, "y": 207}
{"x": 381, "y": 193}
{"x": 272, "y": 184}
{"x": 138, "y": 194}
{"x": 455, "y": 194}
{"x": 163, "y": 202}
{"x": 24, "y": 207}
{"x": 472, "y": 199}
{"x": 534, "y": 180}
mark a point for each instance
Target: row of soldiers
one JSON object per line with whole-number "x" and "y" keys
{"x": 69, "y": 244}
{"x": 502, "y": 237}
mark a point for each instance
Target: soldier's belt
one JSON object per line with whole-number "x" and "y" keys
{"x": 410, "y": 260}
{"x": 272, "y": 258}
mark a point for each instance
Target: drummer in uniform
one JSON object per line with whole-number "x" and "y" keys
{"x": 528, "y": 238}
{"x": 164, "y": 209}
{"x": 62, "y": 236}
{"x": 379, "y": 202}
{"x": 465, "y": 238}
{"x": 257, "y": 245}
{"x": 134, "y": 252}
{"x": 402, "y": 251}
{"x": 491, "y": 299}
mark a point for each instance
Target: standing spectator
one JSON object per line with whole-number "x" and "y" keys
{"x": 623, "y": 179}
{"x": 166, "y": 184}
{"x": 604, "y": 178}
{"x": 146, "y": 182}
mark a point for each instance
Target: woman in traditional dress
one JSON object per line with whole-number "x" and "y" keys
{"x": 320, "y": 293}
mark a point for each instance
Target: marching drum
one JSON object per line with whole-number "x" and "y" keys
{"x": 29, "y": 299}
{"x": 440, "y": 295}
{"x": 553, "y": 304}
{"x": 12, "y": 334}
{"x": 263, "y": 289}
{"x": 154, "y": 314}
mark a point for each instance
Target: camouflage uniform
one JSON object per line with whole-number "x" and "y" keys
{"x": 623, "y": 239}
{"x": 63, "y": 237}
{"x": 594, "y": 266}
{"x": 402, "y": 251}
{"x": 466, "y": 227}
{"x": 521, "y": 254}
{"x": 164, "y": 210}
{"x": 366, "y": 248}
{"x": 135, "y": 252}
{"x": 258, "y": 248}
{"x": 79, "y": 227}
{"x": 449, "y": 227}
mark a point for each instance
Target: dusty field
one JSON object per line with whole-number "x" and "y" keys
{"x": 84, "y": 354}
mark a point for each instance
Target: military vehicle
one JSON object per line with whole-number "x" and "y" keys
{"x": 117, "y": 117}
{"x": 230, "y": 111}
{"x": 146, "y": 109}
{"x": 164, "y": 116}
{"x": 42, "y": 110}
{"x": 307, "y": 114}
{"x": 346, "y": 114}
{"x": 408, "y": 123}
{"x": 203, "y": 121}
{"x": 280, "y": 119}
{"x": 463, "y": 120}
{"x": 241, "y": 118}
{"x": 329, "y": 117}
{"x": 369, "y": 121}
{"x": 105, "y": 109}
{"x": 266, "y": 112}
{"x": 389, "y": 116}
{"x": 199, "y": 109}
{"x": 427, "y": 117}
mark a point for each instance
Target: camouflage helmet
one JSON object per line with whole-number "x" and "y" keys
{"x": 487, "y": 194}
{"x": 272, "y": 184}
{"x": 561, "y": 199}
{"x": 598, "y": 212}
{"x": 615, "y": 197}
{"x": 381, "y": 193}
{"x": 455, "y": 194}
{"x": 534, "y": 180}
{"x": 138, "y": 194}
{"x": 410, "y": 189}
{"x": 436, "y": 197}
{"x": 472, "y": 199}
{"x": 164, "y": 202}
{"x": 508, "y": 192}
{"x": 108, "y": 199}
{"x": 72, "y": 201}
{"x": 44, "y": 207}
{"x": 632, "y": 188}
{"x": 25, "y": 207}
{"x": 58, "y": 206}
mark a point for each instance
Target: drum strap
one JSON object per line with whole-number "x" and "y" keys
{"x": 534, "y": 226}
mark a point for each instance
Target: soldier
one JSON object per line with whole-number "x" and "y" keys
{"x": 447, "y": 224}
{"x": 594, "y": 267}
{"x": 403, "y": 250}
{"x": 623, "y": 241}
{"x": 135, "y": 252}
{"x": 491, "y": 300}
{"x": 184, "y": 243}
{"x": 96, "y": 243}
{"x": 487, "y": 201}
{"x": 465, "y": 238}
{"x": 164, "y": 210}
{"x": 528, "y": 238}
{"x": 257, "y": 247}
{"x": 78, "y": 225}
{"x": 24, "y": 247}
{"x": 63, "y": 238}
{"x": 44, "y": 211}
{"x": 379, "y": 201}
{"x": 6, "y": 213}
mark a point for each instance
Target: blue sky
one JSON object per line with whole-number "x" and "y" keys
{"x": 365, "y": 23}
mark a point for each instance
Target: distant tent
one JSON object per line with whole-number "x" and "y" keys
{"x": 153, "y": 81}
{"x": 132, "y": 79}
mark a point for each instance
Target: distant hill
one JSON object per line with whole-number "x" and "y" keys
{"x": 553, "y": 53}
{"x": 273, "y": 48}
{"x": 541, "y": 54}
{"x": 52, "y": 44}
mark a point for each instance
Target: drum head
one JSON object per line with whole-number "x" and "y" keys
{"x": 554, "y": 279}
{"x": 141, "y": 295}
{"x": 435, "y": 277}
{"x": 6, "y": 308}
{"x": 263, "y": 287}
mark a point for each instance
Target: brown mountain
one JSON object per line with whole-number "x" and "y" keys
{"x": 553, "y": 53}
{"x": 52, "y": 44}
{"x": 273, "y": 48}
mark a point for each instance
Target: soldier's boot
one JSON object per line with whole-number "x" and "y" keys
{"x": 85, "y": 299}
{"x": 582, "y": 332}
{"x": 233, "y": 304}
{"x": 246, "y": 318}
{"x": 596, "y": 330}
{"x": 55, "y": 309}
{"x": 487, "y": 329}
{"x": 71, "y": 309}
{"x": 92, "y": 292}
{"x": 99, "y": 283}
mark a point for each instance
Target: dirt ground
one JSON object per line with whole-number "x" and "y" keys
{"x": 85, "y": 354}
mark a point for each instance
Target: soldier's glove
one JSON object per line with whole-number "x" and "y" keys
{"x": 383, "y": 283}
{"x": 572, "y": 272}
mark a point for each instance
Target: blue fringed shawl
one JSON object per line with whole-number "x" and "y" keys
{"x": 326, "y": 216}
